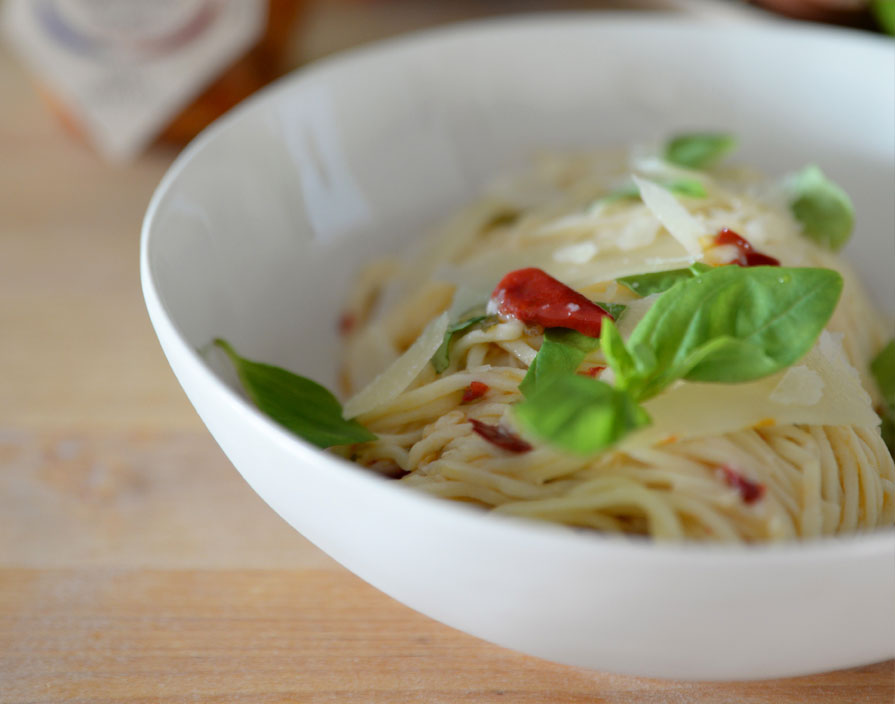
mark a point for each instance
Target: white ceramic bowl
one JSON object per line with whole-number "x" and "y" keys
{"x": 254, "y": 234}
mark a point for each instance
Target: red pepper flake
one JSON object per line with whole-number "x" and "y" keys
{"x": 474, "y": 391}
{"x": 535, "y": 297}
{"x": 746, "y": 253}
{"x": 593, "y": 372}
{"x": 750, "y": 491}
{"x": 347, "y": 321}
{"x": 500, "y": 436}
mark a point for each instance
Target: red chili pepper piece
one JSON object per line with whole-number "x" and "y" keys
{"x": 750, "y": 491}
{"x": 593, "y": 372}
{"x": 500, "y": 436}
{"x": 746, "y": 253}
{"x": 474, "y": 391}
{"x": 535, "y": 297}
{"x": 347, "y": 321}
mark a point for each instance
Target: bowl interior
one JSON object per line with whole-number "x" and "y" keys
{"x": 256, "y": 232}
{"x": 259, "y": 229}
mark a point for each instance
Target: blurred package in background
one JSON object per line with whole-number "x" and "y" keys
{"x": 122, "y": 74}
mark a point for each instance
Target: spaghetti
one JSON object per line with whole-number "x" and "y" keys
{"x": 787, "y": 458}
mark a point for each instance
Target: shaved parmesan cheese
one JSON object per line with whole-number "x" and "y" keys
{"x": 674, "y": 217}
{"x": 610, "y": 292}
{"x": 466, "y": 298}
{"x": 691, "y": 410}
{"x": 633, "y": 227}
{"x": 721, "y": 255}
{"x": 830, "y": 346}
{"x": 390, "y": 383}
{"x": 640, "y": 230}
{"x": 485, "y": 271}
{"x": 800, "y": 386}
{"x": 576, "y": 222}
{"x": 659, "y": 168}
{"x": 634, "y": 313}
{"x": 576, "y": 253}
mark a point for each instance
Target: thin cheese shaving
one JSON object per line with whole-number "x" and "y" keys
{"x": 800, "y": 386}
{"x": 484, "y": 273}
{"x": 690, "y": 410}
{"x": 399, "y": 375}
{"x": 674, "y": 217}
{"x": 634, "y": 313}
{"x": 576, "y": 253}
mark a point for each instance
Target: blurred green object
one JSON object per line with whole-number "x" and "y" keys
{"x": 884, "y": 12}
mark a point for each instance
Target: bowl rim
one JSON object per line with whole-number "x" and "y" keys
{"x": 852, "y": 546}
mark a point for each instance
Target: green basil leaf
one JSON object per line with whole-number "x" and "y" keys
{"x": 732, "y": 324}
{"x": 579, "y": 414}
{"x": 616, "y": 310}
{"x": 823, "y": 208}
{"x": 883, "y": 369}
{"x": 660, "y": 281}
{"x": 688, "y": 187}
{"x": 699, "y": 150}
{"x": 884, "y": 12}
{"x": 887, "y": 429}
{"x": 297, "y": 403}
{"x": 441, "y": 360}
{"x": 562, "y": 352}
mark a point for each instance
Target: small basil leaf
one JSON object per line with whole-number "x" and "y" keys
{"x": 297, "y": 403}
{"x": 884, "y": 12}
{"x": 699, "y": 150}
{"x": 616, "y": 310}
{"x": 579, "y": 414}
{"x": 687, "y": 187}
{"x": 823, "y": 208}
{"x": 657, "y": 282}
{"x": 883, "y": 369}
{"x": 562, "y": 352}
{"x": 887, "y": 430}
{"x": 441, "y": 360}
{"x": 733, "y": 324}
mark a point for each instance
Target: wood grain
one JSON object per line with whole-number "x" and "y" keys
{"x": 135, "y": 564}
{"x": 77, "y": 348}
{"x": 133, "y": 636}
{"x": 135, "y": 498}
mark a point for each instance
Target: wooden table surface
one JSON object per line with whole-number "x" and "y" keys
{"x": 135, "y": 564}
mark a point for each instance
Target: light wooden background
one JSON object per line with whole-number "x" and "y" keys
{"x": 135, "y": 565}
